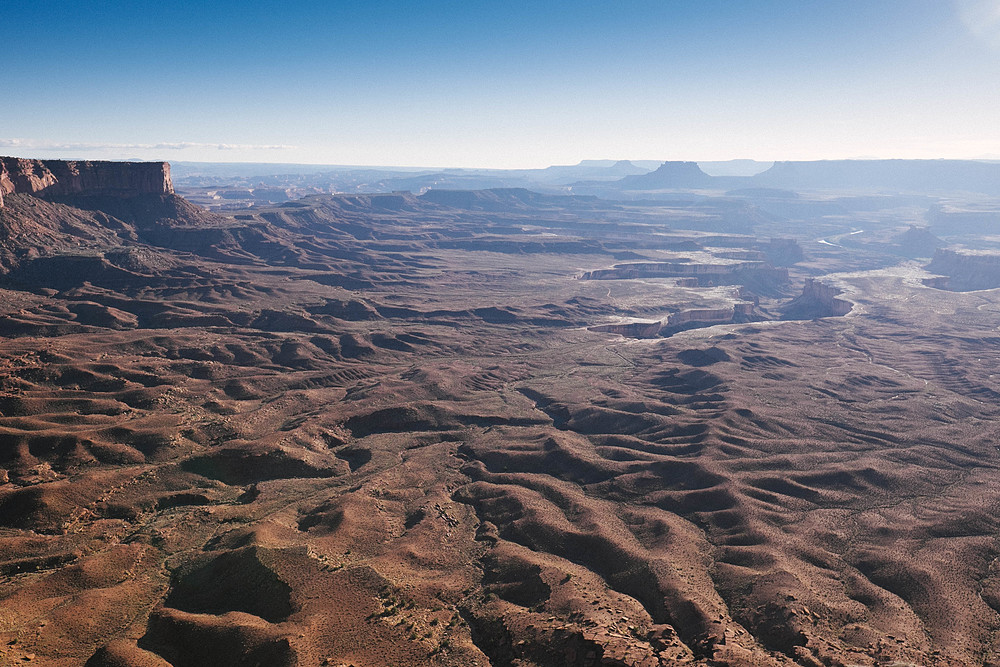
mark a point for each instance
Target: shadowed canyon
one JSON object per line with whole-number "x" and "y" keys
{"x": 657, "y": 419}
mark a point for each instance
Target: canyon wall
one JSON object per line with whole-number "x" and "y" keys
{"x": 633, "y": 270}
{"x": 702, "y": 315}
{"x": 631, "y": 329}
{"x": 759, "y": 277}
{"x": 966, "y": 269}
{"x": 699, "y": 317}
{"x": 69, "y": 177}
{"x": 817, "y": 300}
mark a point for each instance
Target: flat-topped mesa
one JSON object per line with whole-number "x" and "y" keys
{"x": 708, "y": 316}
{"x": 71, "y": 177}
{"x": 671, "y": 174}
{"x": 759, "y": 276}
{"x": 965, "y": 269}
{"x": 736, "y": 313}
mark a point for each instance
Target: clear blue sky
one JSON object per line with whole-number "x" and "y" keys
{"x": 503, "y": 84}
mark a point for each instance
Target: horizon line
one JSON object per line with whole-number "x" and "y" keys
{"x": 984, "y": 158}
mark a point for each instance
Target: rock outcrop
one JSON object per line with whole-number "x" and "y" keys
{"x": 817, "y": 300}
{"x": 685, "y": 319}
{"x": 70, "y": 177}
{"x": 670, "y": 175}
{"x": 708, "y": 316}
{"x": 631, "y": 329}
{"x": 760, "y": 277}
{"x": 965, "y": 269}
{"x": 917, "y": 242}
{"x": 782, "y": 252}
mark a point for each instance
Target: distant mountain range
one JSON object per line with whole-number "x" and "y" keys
{"x": 881, "y": 176}
{"x": 599, "y": 170}
{"x": 235, "y": 185}
{"x": 621, "y": 179}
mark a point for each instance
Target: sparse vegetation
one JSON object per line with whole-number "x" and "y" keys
{"x": 362, "y": 413}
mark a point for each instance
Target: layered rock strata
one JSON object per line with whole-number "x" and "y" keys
{"x": 684, "y": 319}
{"x": 817, "y": 300}
{"x": 69, "y": 177}
{"x": 964, "y": 269}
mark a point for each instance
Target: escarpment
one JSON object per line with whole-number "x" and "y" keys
{"x": 965, "y": 270}
{"x": 52, "y": 209}
{"x": 71, "y": 177}
{"x": 757, "y": 275}
{"x": 817, "y": 300}
{"x": 735, "y": 313}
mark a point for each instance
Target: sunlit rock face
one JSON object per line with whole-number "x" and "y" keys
{"x": 62, "y": 177}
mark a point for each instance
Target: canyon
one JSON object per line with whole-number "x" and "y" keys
{"x": 493, "y": 427}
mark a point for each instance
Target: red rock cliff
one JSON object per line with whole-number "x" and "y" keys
{"x": 62, "y": 177}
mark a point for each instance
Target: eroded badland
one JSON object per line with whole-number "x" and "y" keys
{"x": 495, "y": 427}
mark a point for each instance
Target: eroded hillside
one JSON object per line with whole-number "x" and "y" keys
{"x": 390, "y": 429}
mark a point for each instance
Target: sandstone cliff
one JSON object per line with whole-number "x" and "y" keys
{"x": 62, "y": 177}
{"x": 681, "y": 320}
{"x": 817, "y": 300}
{"x": 710, "y": 272}
{"x": 965, "y": 269}
{"x": 736, "y": 313}
{"x": 760, "y": 277}
{"x": 631, "y": 329}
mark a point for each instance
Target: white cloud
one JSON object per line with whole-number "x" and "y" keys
{"x": 34, "y": 144}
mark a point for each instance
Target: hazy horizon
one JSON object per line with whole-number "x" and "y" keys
{"x": 518, "y": 86}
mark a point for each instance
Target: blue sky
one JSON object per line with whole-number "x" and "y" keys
{"x": 500, "y": 84}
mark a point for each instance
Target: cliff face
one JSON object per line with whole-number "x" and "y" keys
{"x": 966, "y": 270}
{"x": 760, "y": 277}
{"x": 679, "y": 321}
{"x": 817, "y": 300}
{"x": 62, "y": 177}
{"x": 709, "y": 316}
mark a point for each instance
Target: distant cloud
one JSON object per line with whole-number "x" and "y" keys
{"x": 34, "y": 144}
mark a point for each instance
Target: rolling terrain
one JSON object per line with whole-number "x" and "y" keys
{"x": 495, "y": 427}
